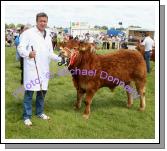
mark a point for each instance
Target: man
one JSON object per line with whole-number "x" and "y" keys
{"x": 59, "y": 38}
{"x": 36, "y": 45}
{"x": 148, "y": 44}
{"x": 91, "y": 39}
{"x": 17, "y": 41}
{"x": 9, "y": 39}
{"x": 113, "y": 39}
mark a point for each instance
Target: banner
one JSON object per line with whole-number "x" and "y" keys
{"x": 79, "y": 25}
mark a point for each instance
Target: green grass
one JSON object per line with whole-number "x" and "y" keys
{"x": 109, "y": 116}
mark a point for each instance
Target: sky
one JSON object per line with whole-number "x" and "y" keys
{"x": 62, "y": 15}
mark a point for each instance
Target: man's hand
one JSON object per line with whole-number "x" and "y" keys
{"x": 32, "y": 54}
{"x": 59, "y": 59}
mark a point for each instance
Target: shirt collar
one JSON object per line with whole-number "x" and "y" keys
{"x": 36, "y": 29}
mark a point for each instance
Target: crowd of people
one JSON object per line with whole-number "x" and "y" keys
{"x": 104, "y": 41}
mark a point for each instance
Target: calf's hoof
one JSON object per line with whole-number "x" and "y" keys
{"x": 129, "y": 105}
{"x": 142, "y": 109}
{"x": 86, "y": 116}
{"x": 77, "y": 106}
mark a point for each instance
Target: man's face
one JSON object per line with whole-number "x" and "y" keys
{"x": 42, "y": 23}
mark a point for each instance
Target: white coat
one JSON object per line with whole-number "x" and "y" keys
{"x": 44, "y": 52}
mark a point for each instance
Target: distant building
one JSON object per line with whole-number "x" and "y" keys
{"x": 138, "y": 33}
{"x": 82, "y": 28}
{"x": 79, "y": 28}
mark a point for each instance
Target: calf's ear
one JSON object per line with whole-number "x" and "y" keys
{"x": 82, "y": 46}
{"x": 75, "y": 48}
{"x": 92, "y": 48}
{"x": 66, "y": 40}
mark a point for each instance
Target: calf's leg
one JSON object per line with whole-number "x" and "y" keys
{"x": 140, "y": 85}
{"x": 80, "y": 94}
{"x": 130, "y": 100}
{"x": 89, "y": 96}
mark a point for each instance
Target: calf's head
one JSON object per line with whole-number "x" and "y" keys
{"x": 72, "y": 49}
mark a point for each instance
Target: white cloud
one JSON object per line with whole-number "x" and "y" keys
{"x": 61, "y": 15}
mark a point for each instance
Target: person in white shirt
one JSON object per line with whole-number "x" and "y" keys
{"x": 38, "y": 39}
{"x": 148, "y": 44}
{"x": 91, "y": 39}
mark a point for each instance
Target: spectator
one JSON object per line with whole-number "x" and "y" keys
{"x": 118, "y": 40}
{"x": 108, "y": 43}
{"x": 18, "y": 57}
{"x": 54, "y": 40}
{"x": 9, "y": 39}
{"x": 148, "y": 44}
{"x": 59, "y": 38}
{"x": 113, "y": 42}
{"x": 104, "y": 40}
{"x": 76, "y": 37}
{"x": 91, "y": 39}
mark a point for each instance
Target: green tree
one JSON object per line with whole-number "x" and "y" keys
{"x": 104, "y": 27}
{"x": 97, "y": 27}
{"x": 6, "y": 26}
{"x": 19, "y": 25}
{"x": 11, "y": 25}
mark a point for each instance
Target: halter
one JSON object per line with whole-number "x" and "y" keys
{"x": 73, "y": 54}
{"x": 67, "y": 49}
{"x": 73, "y": 58}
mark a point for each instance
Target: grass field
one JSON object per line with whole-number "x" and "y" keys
{"x": 109, "y": 116}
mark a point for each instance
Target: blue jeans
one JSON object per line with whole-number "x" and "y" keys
{"x": 27, "y": 103}
{"x": 147, "y": 58}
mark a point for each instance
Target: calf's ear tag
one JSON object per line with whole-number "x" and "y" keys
{"x": 82, "y": 48}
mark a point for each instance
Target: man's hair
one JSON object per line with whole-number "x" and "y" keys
{"x": 41, "y": 15}
{"x": 147, "y": 34}
{"x": 22, "y": 27}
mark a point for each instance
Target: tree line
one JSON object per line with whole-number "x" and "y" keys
{"x": 11, "y": 25}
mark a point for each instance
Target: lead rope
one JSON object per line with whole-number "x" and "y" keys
{"x": 40, "y": 84}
